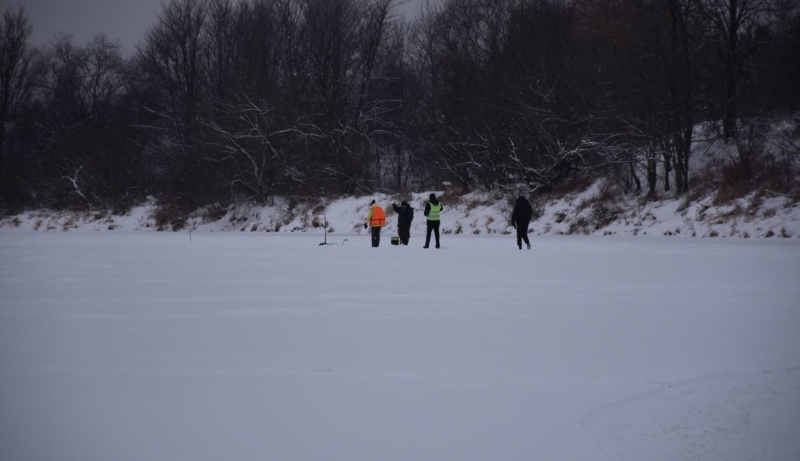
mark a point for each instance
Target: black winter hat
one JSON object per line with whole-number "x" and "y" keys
{"x": 432, "y": 197}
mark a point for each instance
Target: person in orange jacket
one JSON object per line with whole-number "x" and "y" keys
{"x": 375, "y": 219}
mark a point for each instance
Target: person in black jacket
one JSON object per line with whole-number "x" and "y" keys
{"x": 405, "y": 214}
{"x": 520, "y": 219}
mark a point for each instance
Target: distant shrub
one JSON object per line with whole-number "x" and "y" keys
{"x": 603, "y": 207}
{"x": 171, "y": 213}
{"x": 214, "y": 212}
{"x": 580, "y": 226}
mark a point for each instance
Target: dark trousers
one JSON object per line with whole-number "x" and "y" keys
{"x": 404, "y": 235}
{"x": 522, "y": 234}
{"x": 433, "y": 226}
{"x": 376, "y": 236}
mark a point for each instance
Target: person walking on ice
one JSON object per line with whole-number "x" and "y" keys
{"x": 376, "y": 219}
{"x": 520, "y": 219}
{"x": 433, "y": 210}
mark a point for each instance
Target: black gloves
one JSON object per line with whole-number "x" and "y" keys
{"x": 365, "y": 225}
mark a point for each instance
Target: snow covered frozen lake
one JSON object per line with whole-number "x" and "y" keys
{"x": 131, "y": 346}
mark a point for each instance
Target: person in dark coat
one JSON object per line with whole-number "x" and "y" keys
{"x": 433, "y": 210}
{"x": 520, "y": 219}
{"x": 405, "y": 214}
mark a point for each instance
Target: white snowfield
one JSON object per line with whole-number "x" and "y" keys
{"x": 237, "y": 346}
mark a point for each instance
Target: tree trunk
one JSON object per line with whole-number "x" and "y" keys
{"x": 652, "y": 176}
{"x": 635, "y": 178}
{"x": 730, "y": 112}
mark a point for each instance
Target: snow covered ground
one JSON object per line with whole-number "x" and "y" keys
{"x": 267, "y": 346}
{"x": 477, "y": 213}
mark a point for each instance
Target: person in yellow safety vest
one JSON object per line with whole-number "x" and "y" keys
{"x": 433, "y": 211}
{"x": 375, "y": 219}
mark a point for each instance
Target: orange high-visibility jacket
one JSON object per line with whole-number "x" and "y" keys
{"x": 376, "y": 216}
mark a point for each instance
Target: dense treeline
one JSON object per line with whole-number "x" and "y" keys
{"x": 247, "y": 100}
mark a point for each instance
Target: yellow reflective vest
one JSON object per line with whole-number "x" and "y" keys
{"x": 433, "y": 214}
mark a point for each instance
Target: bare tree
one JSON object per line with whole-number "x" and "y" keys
{"x": 14, "y": 33}
{"x": 105, "y": 76}
{"x": 86, "y": 153}
{"x": 249, "y": 143}
{"x": 174, "y": 72}
{"x": 731, "y": 20}
{"x": 502, "y": 108}
{"x": 682, "y": 74}
{"x": 172, "y": 60}
{"x": 396, "y": 92}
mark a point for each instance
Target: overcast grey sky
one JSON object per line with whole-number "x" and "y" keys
{"x": 123, "y": 20}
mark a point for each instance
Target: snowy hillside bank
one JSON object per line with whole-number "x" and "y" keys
{"x": 743, "y": 190}
{"x": 590, "y": 212}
